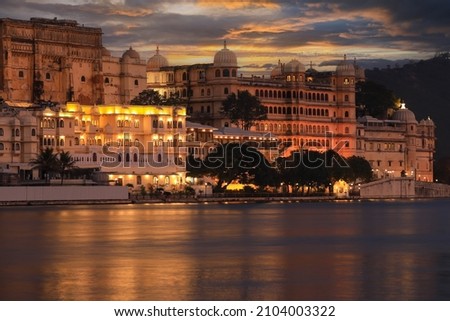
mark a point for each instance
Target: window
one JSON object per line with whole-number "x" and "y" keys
{"x": 346, "y": 114}
{"x": 346, "y": 98}
{"x": 347, "y": 130}
{"x": 155, "y": 123}
{"x": 106, "y": 80}
{"x": 217, "y": 73}
{"x": 226, "y": 73}
{"x": 61, "y": 123}
{"x": 225, "y": 91}
{"x": 2, "y": 132}
{"x": 21, "y": 74}
{"x": 17, "y": 132}
{"x": 16, "y": 146}
{"x": 136, "y": 124}
{"x": 33, "y": 132}
{"x": 136, "y": 82}
{"x": 48, "y": 76}
{"x": 2, "y": 146}
{"x": 83, "y": 79}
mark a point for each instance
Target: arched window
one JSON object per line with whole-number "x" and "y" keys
{"x": 61, "y": 123}
{"x": 17, "y": 132}
{"x": 2, "y": 132}
{"x": 127, "y": 157}
{"x": 61, "y": 142}
{"x": 48, "y": 76}
{"x": 233, "y": 73}
{"x": 184, "y": 76}
{"x": 226, "y": 73}
{"x": 217, "y": 73}
{"x": 346, "y": 98}
{"x": 346, "y": 114}
{"x": 106, "y": 80}
{"x": 135, "y": 157}
{"x": 159, "y": 158}
{"x": 155, "y": 123}
{"x": 161, "y": 124}
{"x": 83, "y": 79}
{"x": 2, "y": 146}
{"x": 77, "y": 141}
{"x": 136, "y": 82}
{"x": 21, "y": 74}
{"x": 33, "y": 132}
{"x": 225, "y": 91}
{"x": 16, "y": 146}
{"x": 180, "y": 124}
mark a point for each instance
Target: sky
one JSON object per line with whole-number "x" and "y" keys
{"x": 260, "y": 32}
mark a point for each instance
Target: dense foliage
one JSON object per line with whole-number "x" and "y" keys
{"x": 243, "y": 109}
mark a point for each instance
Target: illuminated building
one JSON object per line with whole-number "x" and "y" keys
{"x": 139, "y": 145}
{"x": 398, "y": 147}
{"x": 304, "y": 107}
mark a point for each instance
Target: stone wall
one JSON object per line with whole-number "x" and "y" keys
{"x": 389, "y": 188}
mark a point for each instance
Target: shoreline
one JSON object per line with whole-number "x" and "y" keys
{"x": 217, "y": 200}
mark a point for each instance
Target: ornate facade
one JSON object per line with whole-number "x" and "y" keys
{"x": 398, "y": 147}
{"x": 304, "y": 107}
{"x": 139, "y": 145}
{"x": 61, "y": 61}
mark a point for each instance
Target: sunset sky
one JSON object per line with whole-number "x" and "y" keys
{"x": 259, "y": 32}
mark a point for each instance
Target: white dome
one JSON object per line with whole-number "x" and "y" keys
{"x": 225, "y": 57}
{"x": 277, "y": 71}
{"x": 157, "y": 61}
{"x": 405, "y": 115}
{"x": 345, "y": 68}
{"x": 294, "y": 66}
{"x": 131, "y": 53}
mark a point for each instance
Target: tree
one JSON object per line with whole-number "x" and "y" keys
{"x": 243, "y": 109}
{"x": 152, "y": 97}
{"x": 375, "y": 98}
{"x": 46, "y": 162}
{"x": 232, "y": 162}
{"x": 360, "y": 169}
{"x": 65, "y": 162}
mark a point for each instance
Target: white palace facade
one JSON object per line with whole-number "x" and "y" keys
{"x": 61, "y": 88}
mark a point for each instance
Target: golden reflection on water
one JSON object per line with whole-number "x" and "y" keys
{"x": 215, "y": 252}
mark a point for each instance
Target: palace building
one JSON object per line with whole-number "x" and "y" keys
{"x": 61, "y": 88}
{"x": 304, "y": 107}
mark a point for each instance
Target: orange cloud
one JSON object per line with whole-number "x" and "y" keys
{"x": 237, "y": 4}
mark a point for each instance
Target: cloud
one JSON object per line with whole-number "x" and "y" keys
{"x": 258, "y": 30}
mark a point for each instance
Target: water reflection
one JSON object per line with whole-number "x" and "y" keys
{"x": 298, "y": 251}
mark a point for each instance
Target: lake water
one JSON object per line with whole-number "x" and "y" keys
{"x": 277, "y": 251}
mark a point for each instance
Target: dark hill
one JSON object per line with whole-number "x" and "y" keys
{"x": 425, "y": 87}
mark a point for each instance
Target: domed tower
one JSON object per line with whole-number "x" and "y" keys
{"x": 133, "y": 75}
{"x": 277, "y": 72}
{"x": 225, "y": 63}
{"x": 407, "y": 117}
{"x": 157, "y": 61}
{"x": 154, "y": 65}
{"x": 294, "y": 71}
{"x": 345, "y": 84}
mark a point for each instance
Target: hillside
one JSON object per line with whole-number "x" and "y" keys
{"x": 425, "y": 87}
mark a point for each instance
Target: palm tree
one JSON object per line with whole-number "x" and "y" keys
{"x": 65, "y": 163}
{"x": 47, "y": 162}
